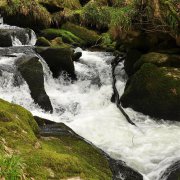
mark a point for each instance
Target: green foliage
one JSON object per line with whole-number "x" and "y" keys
{"x": 93, "y": 14}
{"x": 11, "y": 167}
{"x": 105, "y": 16}
{"x": 171, "y": 15}
{"x": 31, "y": 9}
{"x": 122, "y": 17}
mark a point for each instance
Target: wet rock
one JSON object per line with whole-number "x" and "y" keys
{"x": 9, "y": 36}
{"x": 32, "y": 71}
{"x": 154, "y": 91}
{"x": 76, "y": 56}
{"x": 5, "y": 39}
{"x": 122, "y": 172}
{"x": 58, "y": 59}
{"x": 172, "y": 172}
{"x": 131, "y": 57}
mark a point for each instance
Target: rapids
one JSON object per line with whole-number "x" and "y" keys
{"x": 85, "y": 106}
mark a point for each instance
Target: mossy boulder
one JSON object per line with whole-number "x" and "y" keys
{"x": 42, "y": 41}
{"x": 58, "y": 59}
{"x": 88, "y": 36}
{"x": 42, "y": 156}
{"x": 132, "y": 56}
{"x": 32, "y": 71}
{"x": 25, "y": 14}
{"x": 66, "y": 36}
{"x": 159, "y": 59}
{"x": 154, "y": 91}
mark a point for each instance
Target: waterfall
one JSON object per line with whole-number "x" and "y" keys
{"x": 19, "y": 36}
{"x": 85, "y": 106}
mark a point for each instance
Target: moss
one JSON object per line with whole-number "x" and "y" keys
{"x": 154, "y": 91}
{"x": 57, "y": 41}
{"x": 158, "y": 59}
{"x": 71, "y": 4}
{"x": 32, "y": 12}
{"x": 90, "y": 37}
{"x": 66, "y": 36}
{"x": 47, "y": 157}
{"x": 42, "y": 41}
{"x": 107, "y": 43}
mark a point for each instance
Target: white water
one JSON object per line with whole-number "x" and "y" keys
{"x": 30, "y": 38}
{"x": 87, "y": 109}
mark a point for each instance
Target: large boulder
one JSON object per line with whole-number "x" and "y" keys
{"x": 154, "y": 91}
{"x": 131, "y": 57}
{"x": 159, "y": 59}
{"x": 32, "y": 71}
{"x": 59, "y": 130}
{"x": 58, "y": 59}
{"x": 46, "y": 155}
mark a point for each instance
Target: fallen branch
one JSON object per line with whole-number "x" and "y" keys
{"x": 115, "y": 98}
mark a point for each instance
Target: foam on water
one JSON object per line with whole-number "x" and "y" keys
{"x": 85, "y": 106}
{"x": 30, "y": 37}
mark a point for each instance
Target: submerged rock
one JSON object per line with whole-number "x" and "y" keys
{"x": 76, "y": 56}
{"x": 58, "y": 59}
{"x": 154, "y": 91}
{"x": 32, "y": 71}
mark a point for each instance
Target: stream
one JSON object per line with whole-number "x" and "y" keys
{"x": 85, "y": 106}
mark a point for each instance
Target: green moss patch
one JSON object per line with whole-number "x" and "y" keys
{"x": 158, "y": 59}
{"x": 88, "y": 36}
{"x": 43, "y": 158}
{"x": 66, "y": 36}
{"x": 154, "y": 91}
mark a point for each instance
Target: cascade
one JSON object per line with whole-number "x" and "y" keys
{"x": 85, "y": 106}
